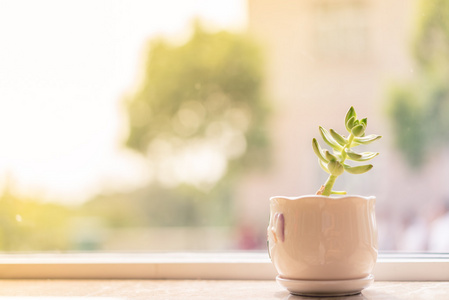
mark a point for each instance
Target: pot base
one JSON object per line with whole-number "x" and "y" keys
{"x": 325, "y": 287}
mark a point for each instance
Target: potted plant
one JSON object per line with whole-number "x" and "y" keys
{"x": 326, "y": 244}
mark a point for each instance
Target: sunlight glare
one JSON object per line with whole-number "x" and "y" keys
{"x": 64, "y": 73}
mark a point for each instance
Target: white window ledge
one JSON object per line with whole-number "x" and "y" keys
{"x": 237, "y": 266}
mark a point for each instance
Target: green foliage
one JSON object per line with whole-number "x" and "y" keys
{"x": 334, "y": 163}
{"x": 208, "y": 92}
{"x": 30, "y": 225}
{"x": 205, "y": 90}
{"x": 431, "y": 42}
{"x": 419, "y": 113}
{"x": 155, "y": 206}
{"x": 419, "y": 108}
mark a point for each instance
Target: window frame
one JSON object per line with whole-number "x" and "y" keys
{"x": 206, "y": 266}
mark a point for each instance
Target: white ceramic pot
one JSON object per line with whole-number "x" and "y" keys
{"x": 323, "y": 238}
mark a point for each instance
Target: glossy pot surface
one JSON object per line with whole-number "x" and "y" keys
{"x": 323, "y": 238}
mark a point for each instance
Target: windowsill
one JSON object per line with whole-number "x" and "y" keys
{"x": 199, "y": 290}
{"x": 208, "y": 266}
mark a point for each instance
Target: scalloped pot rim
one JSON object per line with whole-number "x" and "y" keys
{"x": 337, "y": 197}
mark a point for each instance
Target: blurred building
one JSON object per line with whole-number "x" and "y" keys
{"x": 322, "y": 57}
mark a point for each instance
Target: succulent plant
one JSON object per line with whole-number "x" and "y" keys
{"x": 334, "y": 163}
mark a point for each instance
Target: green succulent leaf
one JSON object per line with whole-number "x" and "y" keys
{"x": 364, "y": 156}
{"x": 358, "y": 130}
{"x": 338, "y": 192}
{"x": 357, "y": 170}
{"x": 366, "y": 139}
{"x": 323, "y": 166}
{"x": 318, "y": 151}
{"x": 329, "y": 156}
{"x": 350, "y": 124}
{"x": 338, "y": 138}
{"x": 330, "y": 140}
{"x": 350, "y": 114}
{"x": 335, "y": 168}
{"x": 353, "y": 155}
{"x": 364, "y": 121}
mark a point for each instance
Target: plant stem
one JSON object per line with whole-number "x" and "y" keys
{"x": 328, "y": 185}
{"x": 331, "y": 180}
{"x": 347, "y": 146}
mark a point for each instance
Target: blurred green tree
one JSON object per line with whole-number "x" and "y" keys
{"x": 199, "y": 116}
{"x": 31, "y": 225}
{"x": 419, "y": 108}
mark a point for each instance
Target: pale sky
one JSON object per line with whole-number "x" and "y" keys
{"x": 65, "y": 67}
